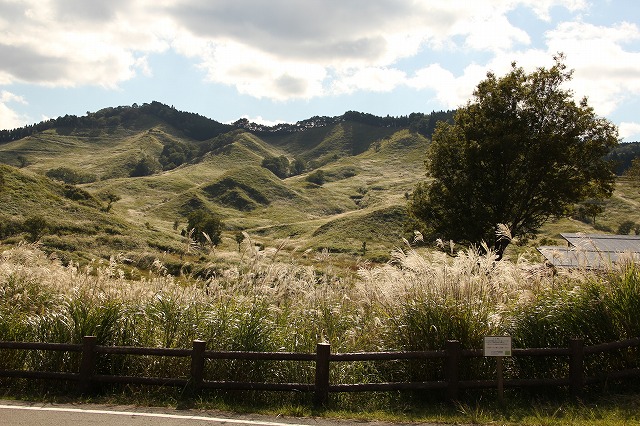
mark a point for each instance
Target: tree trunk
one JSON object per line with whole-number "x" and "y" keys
{"x": 500, "y": 246}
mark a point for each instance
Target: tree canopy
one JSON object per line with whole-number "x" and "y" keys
{"x": 145, "y": 166}
{"x": 204, "y": 222}
{"x": 521, "y": 151}
{"x": 279, "y": 166}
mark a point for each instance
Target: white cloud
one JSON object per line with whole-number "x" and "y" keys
{"x": 495, "y": 33}
{"x": 604, "y": 71}
{"x": 629, "y": 132}
{"x": 542, "y": 7}
{"x": 6, "y": 96}
{"x": 9, "y": 119}
{"x": 294, "y": 44}
{"x": 327, "y": 31}
{"x": 260, "y": 120}
{"x": 450, "y": 90}
{"x": 291, "y": 49}
{"x": 371, "y": 79}
{"x": 286, "y": 49}
{"x": 254, "y": 72}
{"x": 72, "y": 42}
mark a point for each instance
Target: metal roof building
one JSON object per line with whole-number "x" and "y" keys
{"x": 593, "y": 251}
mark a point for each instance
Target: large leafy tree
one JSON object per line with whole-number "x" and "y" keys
{"x": 521, "y": 151}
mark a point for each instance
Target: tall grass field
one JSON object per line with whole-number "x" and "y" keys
{"x": 417, "y": 301}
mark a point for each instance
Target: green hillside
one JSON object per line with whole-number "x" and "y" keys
{"x": 324, "y": 144}
{"x": 124, "y": 180}
{"x": 66, "y": 219}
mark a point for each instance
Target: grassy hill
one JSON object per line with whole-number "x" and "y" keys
{"x": 67, "y": 220}
{"x": 138, "y": 173}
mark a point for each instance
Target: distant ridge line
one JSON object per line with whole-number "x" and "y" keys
{"x": 200, "y": 127}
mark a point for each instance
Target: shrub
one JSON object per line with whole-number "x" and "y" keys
{"x": 9, "y": 226}
{"x": 70, "y": 176}
{"x": 625, "y": 227}
{"x": 175, "y": 154}
{"x": 77, "y": 194}
{"x": 35, "y": 226}
{"x": 317, "y": 177}
{"x": 279, "y": 166}
{"x": 22, "y": 161}
{"x": 144, "y": 167}
{"x": 203, "y": 222}
{"x": 298, "y": 167}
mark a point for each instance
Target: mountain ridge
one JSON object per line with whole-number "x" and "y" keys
{"x": 200, "y": 128}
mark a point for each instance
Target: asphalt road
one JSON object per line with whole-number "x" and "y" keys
{"x": 15, "y": 413}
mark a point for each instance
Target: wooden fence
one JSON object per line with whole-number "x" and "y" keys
{"x": 451, "y": 357}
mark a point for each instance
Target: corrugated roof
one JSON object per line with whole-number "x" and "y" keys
{"x": 594, "y": 251}
{"x": 572, "y": 257}
{"x": 604, "y": 242}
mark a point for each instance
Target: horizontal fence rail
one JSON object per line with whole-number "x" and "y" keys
{"x": 451, "y": 357}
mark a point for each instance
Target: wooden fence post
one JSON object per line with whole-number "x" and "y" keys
{"x": 576, "y": 367}
{"x": 452, "y": 372}
{"x": 197, "y": 366}
{"x": 87, "y": 364}
{"x": 321, "y": 395}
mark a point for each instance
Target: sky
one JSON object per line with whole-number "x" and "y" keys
{"x": 274, "y": 61}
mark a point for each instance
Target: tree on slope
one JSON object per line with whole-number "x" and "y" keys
{"x": 204, "y": 222}
{"x": 520, "y": 152}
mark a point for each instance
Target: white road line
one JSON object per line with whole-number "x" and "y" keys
{"x": 139, "y": 414}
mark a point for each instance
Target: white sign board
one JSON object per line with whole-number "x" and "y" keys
{"x": 497, "y": 346}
